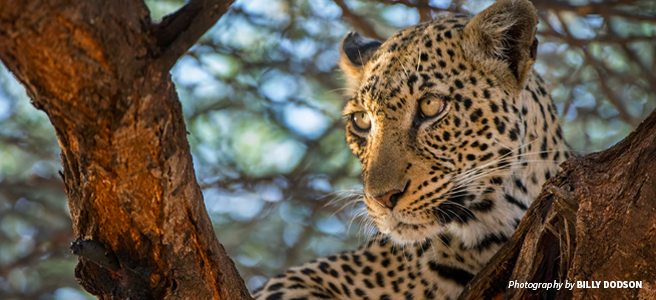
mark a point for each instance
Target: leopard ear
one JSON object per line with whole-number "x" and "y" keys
{"x": 355, "y": 52}
{"x": 502, "y": 40}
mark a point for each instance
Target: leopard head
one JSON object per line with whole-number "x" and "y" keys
{"x": 431, "y": 109}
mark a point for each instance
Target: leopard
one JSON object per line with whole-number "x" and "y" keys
{"x": 456, "y": 134}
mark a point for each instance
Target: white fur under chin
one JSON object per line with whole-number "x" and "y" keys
{"x": 411, "y": 236}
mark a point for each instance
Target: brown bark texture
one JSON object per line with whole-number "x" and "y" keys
{"x": 594, "y": 221}
{"x": 100, "y": 71}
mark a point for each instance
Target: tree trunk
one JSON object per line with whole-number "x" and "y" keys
{"x": 100, "y": 71}
{"x": 594, "y": 221}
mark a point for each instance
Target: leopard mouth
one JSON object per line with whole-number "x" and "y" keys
{"x": 397, "y": 197}
{"x": 419, "y": 213}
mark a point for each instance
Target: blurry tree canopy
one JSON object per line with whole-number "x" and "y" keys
{"x": 262, "y": 103}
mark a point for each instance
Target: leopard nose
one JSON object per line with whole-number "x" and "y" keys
{"x": 389, "y": 199}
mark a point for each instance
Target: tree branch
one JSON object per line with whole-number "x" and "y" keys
{"x": 607, "y": 8}
{"x": 127, "y": 168}
{"x": 423, "y": 6}
{"x": 424, "y": 11}
{"x": 359, "y": 23}
{"x": 181, "y": 30}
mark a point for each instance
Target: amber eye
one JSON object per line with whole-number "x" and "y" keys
{"x": 431, "y": 107}
{"x": 361, "y": 120}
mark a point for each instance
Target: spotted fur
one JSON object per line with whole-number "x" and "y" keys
{"x": 445, "y": 191}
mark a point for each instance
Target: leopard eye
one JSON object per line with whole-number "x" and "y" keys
{"x": 361, "y": 120}
{"x": 431, "y": 107}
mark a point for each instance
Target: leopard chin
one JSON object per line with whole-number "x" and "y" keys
{"x": 402, "y": 233}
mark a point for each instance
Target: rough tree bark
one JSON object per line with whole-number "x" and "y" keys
{"x": 100, "y": 71}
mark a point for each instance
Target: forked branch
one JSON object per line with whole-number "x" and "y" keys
{"x": 180, "y": 30}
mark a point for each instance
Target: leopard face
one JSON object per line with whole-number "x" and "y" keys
{"x": 439, "y": 121}
{"x": 456, "y": 136}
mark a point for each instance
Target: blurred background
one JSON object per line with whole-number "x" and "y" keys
{"x": 262, "y": 100}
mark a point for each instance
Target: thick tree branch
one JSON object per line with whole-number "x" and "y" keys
{"x": 181, "y": 30}
{"x": 128, "y": 172}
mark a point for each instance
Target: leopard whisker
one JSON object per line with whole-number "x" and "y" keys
{"x": 352, "y": 202}
{"x": 467, "y": 210}
{"x": 504, "y": 156}
{"x": 466, "y": 180}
